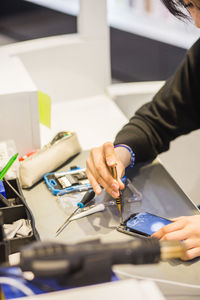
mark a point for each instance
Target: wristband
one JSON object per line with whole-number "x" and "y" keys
{"x": 132, "y": 163}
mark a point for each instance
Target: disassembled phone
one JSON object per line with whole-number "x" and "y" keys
{"x": 143, "y": 224}
{"x": 73, "y": 180}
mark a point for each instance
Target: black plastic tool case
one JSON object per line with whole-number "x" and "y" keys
{"x": 20, "y": 210}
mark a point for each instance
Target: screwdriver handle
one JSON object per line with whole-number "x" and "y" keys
{"x": 86, "y": 199}
{"x": 113, "y": 171}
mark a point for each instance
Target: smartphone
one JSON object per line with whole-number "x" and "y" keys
{"x": 143, "y": 223}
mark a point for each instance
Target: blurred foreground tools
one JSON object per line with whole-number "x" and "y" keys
{"x": 91, "y": 262}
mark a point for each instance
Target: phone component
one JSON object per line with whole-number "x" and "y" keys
{"x": 74, "y": 180}
{"x": 86, "y": 199}
{"x": 67, "y": 181}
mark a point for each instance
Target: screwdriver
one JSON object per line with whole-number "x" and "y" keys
{"x": 113, "y": 171}
{"x": 86, "y": 199}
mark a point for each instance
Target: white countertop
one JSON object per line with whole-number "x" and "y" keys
{"x": 95, "y": 120}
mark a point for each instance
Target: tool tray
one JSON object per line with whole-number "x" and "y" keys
{"x": 19, "y": 210}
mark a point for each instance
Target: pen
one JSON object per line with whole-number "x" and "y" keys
{"x": 7, "y": 166}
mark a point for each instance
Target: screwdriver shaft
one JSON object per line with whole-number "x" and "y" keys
{"x": 67, "y": 221}
{"x": 86, "y": 199}
{"x": 113, "y": 171}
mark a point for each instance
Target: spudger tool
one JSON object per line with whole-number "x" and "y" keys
{"x": 113, "y": 171}
{"x": 86, "y": 199}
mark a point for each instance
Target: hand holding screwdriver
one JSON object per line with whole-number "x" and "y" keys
{"x": 86, "y": 199}
{"x": 97, "y": 164}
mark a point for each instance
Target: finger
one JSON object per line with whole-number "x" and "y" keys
{"x": 178, "y": 235}
{"x": 110, "y": 157}
{"x": 112, "y": 160}
{"x": 100, "y": 171}
{"x": 95, "y": 185}
{"x": 192, "y": 253}
{"x": 191, "y": 243}
{"x": 92, "y": 176}
{"x": 169, "y": 228}
{"x": 97, "y": 181}
{"x": 158, "y": 234}
{"x": 121, "y": 185}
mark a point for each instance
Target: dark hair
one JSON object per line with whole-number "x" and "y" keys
{"x": 175, "y": 7}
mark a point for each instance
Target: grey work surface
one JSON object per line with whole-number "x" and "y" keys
{"x": 161, "y": 196}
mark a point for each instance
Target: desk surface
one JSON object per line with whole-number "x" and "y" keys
{"x": 161, "y": 196}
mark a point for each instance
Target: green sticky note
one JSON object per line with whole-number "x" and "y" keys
{"x": 44, "y": 109}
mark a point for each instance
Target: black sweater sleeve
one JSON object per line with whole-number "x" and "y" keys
{"x": 175, "y": 110}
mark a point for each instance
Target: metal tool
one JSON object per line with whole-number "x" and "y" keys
{"x": 91, "y": 210}
{"x": 86, "y": 199}
{"x": 113, "y": 171}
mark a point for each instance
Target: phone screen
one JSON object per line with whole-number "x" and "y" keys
{"x": 146, "y": 223}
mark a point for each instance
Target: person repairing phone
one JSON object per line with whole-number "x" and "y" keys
{"x": 175, "y": 110}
